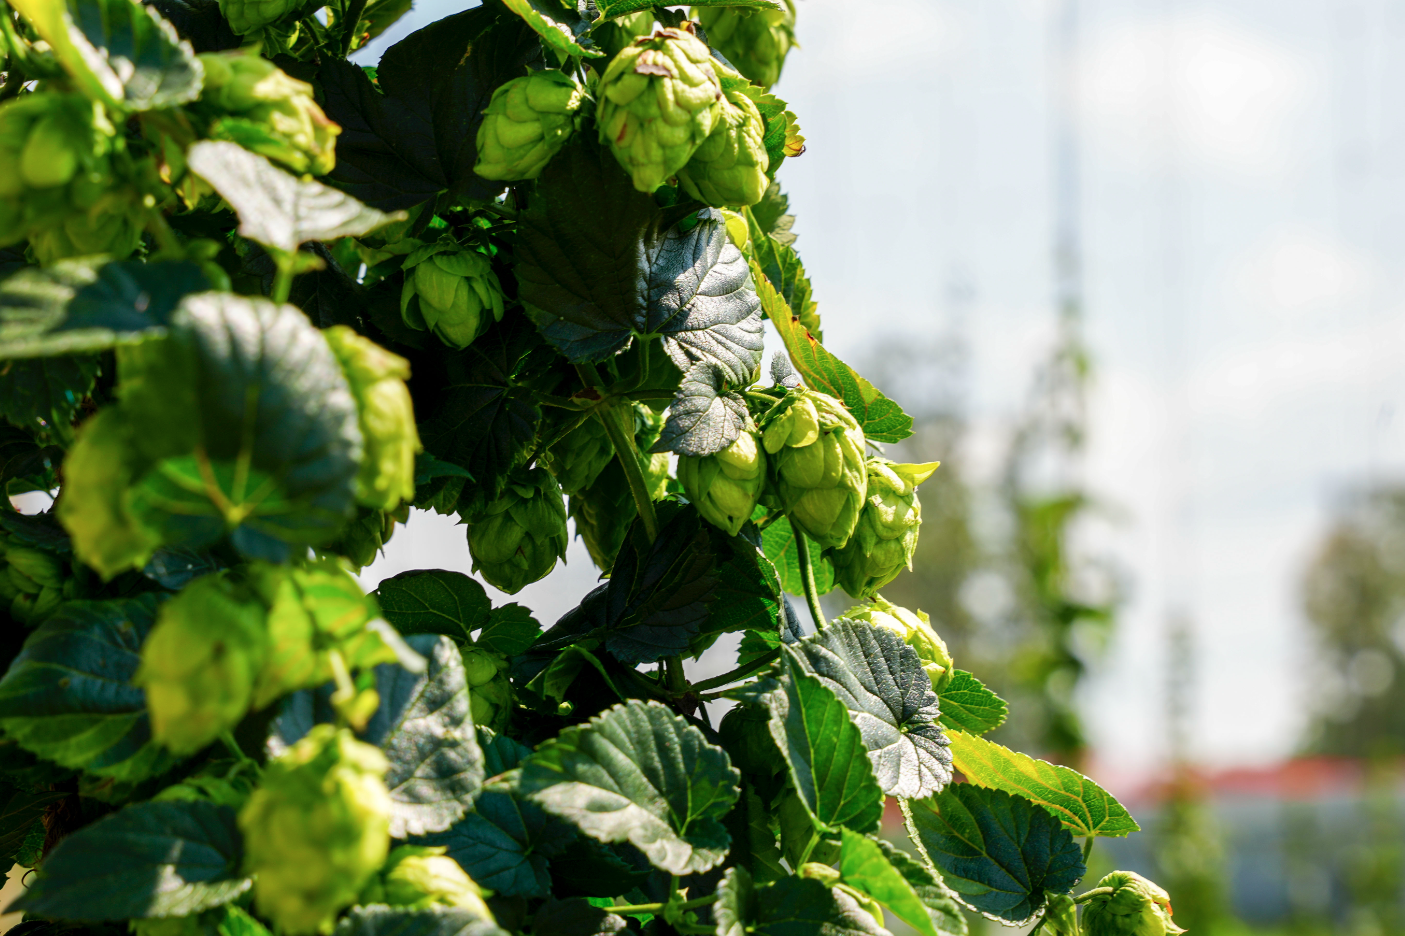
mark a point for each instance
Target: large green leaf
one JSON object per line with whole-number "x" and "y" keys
{"x": 824, "y": 750}
{"x": 881, "y": 681}
{"x": 967, "y": 705}
{"x": 705, "y": 417}
{"x": 68, "y": 696}
{"x": 882, "y": 420}
{"x": 1080, "y": 804}
{"x": 791, "y": 906}
{"x": 90, "y": 305}
{"x": 560, "y": 26}
{"x": 424, "y": 728}
{"x": 118, "y": 51}
{"x": 433, "y": 601}
{"x": 999, "y": 853}
{"x": 380, "y": 920}
{"x": 639, "y": 773}
{"x": 873, "y": 866}
{"x": 778, "y": 540}
{"x": 780, "y": 264}
{"x": 148, "y": 860}
{"x": 277, "y": 209}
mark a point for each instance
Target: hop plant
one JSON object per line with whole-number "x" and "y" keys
{"x": 755, "y": 41}
{"x": 489, "y": 689}
{"x": 316, "y": 829}
{"x": 517, "y": 538}
{"x": 32, "y": 581}
{"x": 387, "y": 417}
{"x": 450, "y": 290}
{"x": 420, "y": 877}
{"x": 658, "y": 101}
{"x": 886, "y": 536}
{"x": 246, "y": 16}
{"x": 915, "y": 628}
{"x": 200, "y": 662}
{"x": 729, "y": 168}
{"x": 1132, "y": 906}
{"x": 252, "y": 102}
{"x": 579, "y": 457}
{"x": 57, "y": 185}
{"x": 527, "y": 121}
{"x": 818, "y": 472}
{"x": 726, "y": 486}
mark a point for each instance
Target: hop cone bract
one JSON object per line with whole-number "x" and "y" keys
{"x": 729, "y": 168}
{"x": 489, "y": 689}
{"x": 1135, "y": 907}
{"x": 252, "y": 102}
{"x": 517, "y": 538}
{"x": 451, "y": 291}
{"x": 818, "y": 471}
{"x": 755, "y": 41}
{"x": 886, "y": 536}
{"x": 316, "y": 829}
{"x": 658, "y": 101}
{"x": 726, "y": 486}
{"x": 527, "y": 121}
{"x": 915, "y": 628}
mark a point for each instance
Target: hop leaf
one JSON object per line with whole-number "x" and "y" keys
{"x": 527, "y": 121}
{"x": 916, "y": 631}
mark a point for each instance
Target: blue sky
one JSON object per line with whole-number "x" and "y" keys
{"x": 1242, "y": 170}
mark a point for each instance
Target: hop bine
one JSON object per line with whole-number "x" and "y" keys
{"x": 517, "y": 538}
{"x": 817, "y": 470}
{"x": 886, "y": 535}
{"x": 527, "y": 121}
{"x": 451, "y": 291}
{"x": 726, "y": 486}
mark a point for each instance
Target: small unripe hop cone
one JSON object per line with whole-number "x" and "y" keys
{"x": 886, "y": 536}
{"x": 726, "y": 486}
{"x": 451, "y": 291}
{"x": 817, "y": 465}
{"x": 527, "y": 121}
{"x": 517, "y": 538}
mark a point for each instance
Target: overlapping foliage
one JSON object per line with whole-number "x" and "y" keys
{"x": 530, "y": 286}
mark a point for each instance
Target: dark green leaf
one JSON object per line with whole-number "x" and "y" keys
{"x": 135, "y": 55}
{"x": 68, "y": 696}
{"x": 43, "y": 395}
{"x": 778, "y": 539}
{"x": 42, "y": 531}
{"x": 505, "y": 843}
{"x": 772, "y": 216}
{"x": 148, "y": 860}
{"x": 18, "y": 815}
{"x": 500, "y": 753}
{"x": 561, "y": 27}
{"x": 704, "y": 418}
{"x": 602, "y": 514}
{"x": 593, "y": 869}
{"x": 613, "y": 8}
{"x": 380, "y": 920}
{"x": 967, "y": 705}
{"x": 438, "y": 484}
{"x": 781, "y": 266}
{"x": 25, "y": 462}
{"x": 998, "y": 852}
{"x": 277, "y": 209}
{"x": 748, "y": 592}
{"x": 643, "y": 774}
{"x": 824, "y": 750}
{"x": 791, "y": 906}
{"x": 434, "y": 601}
{"x": 874, "y": 867}
{"x": 510, "y": 630}
{"x": 200, "y": 23}
{"x": 88, "y": 305}
{"x": 882, "y": 419}
{"x": 881, "y": 681}
{"x": 576, "y": 916}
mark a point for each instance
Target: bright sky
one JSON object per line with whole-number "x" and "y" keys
{"x": 1243, "y": 165}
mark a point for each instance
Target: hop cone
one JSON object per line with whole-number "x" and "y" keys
{"x": 199, "y": 664}
{"x": 658, "y": 101}
{"x": 726, "y": 486}
{"x": 253, "y": 103}
{"x": 316, "y": 829}
{"x": 1135, "y": 907}
{"x": 489, "y": 690}
{"x": 246, "y": 16}
{"x": 421, "y": 877}
{"x": 616, "y": 35}
{"x": 386, "y": 417}
{"x": 916, "y": 631}
{"x": 450, "y": 291}
{"x": 729, "y": 168}
{"x": 755, "y": 41}
{"x": 886, "y": 536}
{"x": 364, "y": 538}
{"x": 527, "y": 121}
{"x": 518, "y": 537}
{"x": 579, "y": 457}
{"x": 818, "y": 467}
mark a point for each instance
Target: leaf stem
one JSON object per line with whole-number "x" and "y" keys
{"x": 805, "y": 855}
{"x": 673, "y": 670}
{"x": 1095, "y": 892}
{"x": 1088, "y": 847}
{"x": 611, "y": 415}
{"x": 741, "y": 672}
{"x": 227, "y": 738}
{"x": 283, "y": 279}
{"x": 807, "y": 576}
{"x": 353, "y": 19}
{"x": 658, "y": 907}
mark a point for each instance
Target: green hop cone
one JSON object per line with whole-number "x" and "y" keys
{"x": 579, "y": 457}
{"x": 316, "y": 829}
{"x": 246, "y": 16}
{"x": 915, "y": 628}
{"x": 1060, "y": 916}
{"x": 1133, "y": 906}
{"x": 658, "y": 101}
{"x": 386, "y": 416}
{"x": 517, "y": 538}
{"x": 886, "y": 536}
{"x": 252, "y": 102}
{"x": 200, "y": 661}
{"x": 818, "y": 474}
{"x": 450, "y": 291}
{"x": 755, "y": 41}
{"x": 489, "y": 690}
{"x": 726, "y": 486}
{"x": 729, "y": 168}
{"x": 527, "y": 121}
{"x": 365, "y": 537}
{"x": 421, "y": 877}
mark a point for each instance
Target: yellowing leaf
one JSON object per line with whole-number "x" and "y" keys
{"x": 1080, "y": 804}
